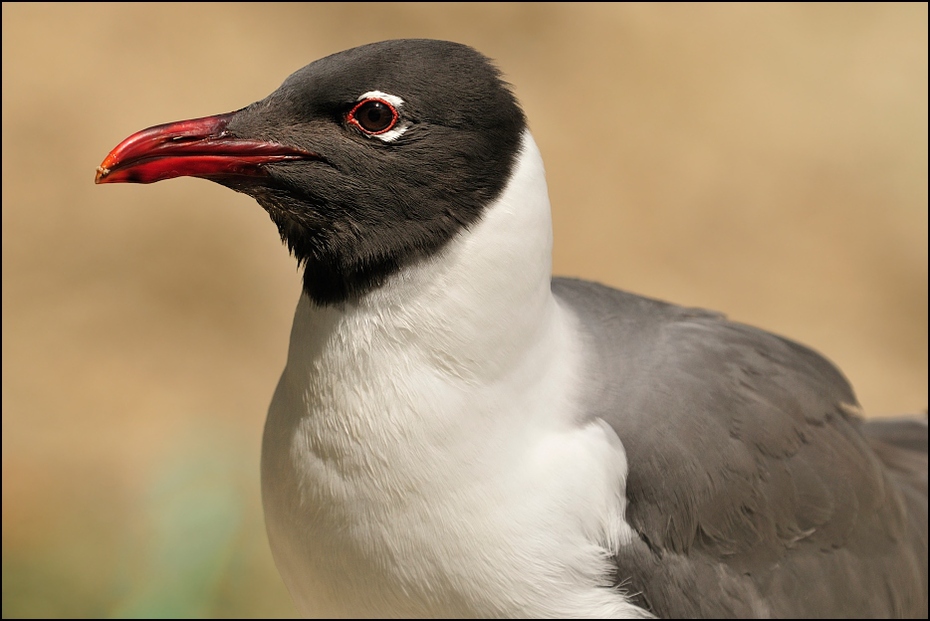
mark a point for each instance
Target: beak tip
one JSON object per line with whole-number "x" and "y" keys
{"x": 100, "y": 177}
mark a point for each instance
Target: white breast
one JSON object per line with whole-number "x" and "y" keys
{"x": 423, "y": 455}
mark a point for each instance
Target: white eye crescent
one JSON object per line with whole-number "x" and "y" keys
{"x": 377, "y": 114}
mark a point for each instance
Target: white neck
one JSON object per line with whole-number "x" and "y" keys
{"x": 438, "y": 409}
{"x": 485, "y": 294}
{"x": 477, "y": 312}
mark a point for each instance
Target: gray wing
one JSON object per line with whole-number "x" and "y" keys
{"x": 754, "y": 487}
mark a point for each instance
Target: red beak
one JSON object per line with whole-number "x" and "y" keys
{"x": 194, "y": 148}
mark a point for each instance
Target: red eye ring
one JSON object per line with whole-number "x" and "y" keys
{"x": 373, "y": 116}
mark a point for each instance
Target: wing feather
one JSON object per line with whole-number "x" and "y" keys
{"x": 753, "y": 485}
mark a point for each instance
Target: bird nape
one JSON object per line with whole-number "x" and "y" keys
{"x": 456, "y": 433}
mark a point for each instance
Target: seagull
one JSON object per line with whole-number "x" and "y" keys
{"x": 457, "y": 433}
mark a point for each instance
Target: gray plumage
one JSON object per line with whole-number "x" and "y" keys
{"x": 755, "y": 488}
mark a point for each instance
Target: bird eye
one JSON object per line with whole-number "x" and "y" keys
{"x": 373, "y": 116}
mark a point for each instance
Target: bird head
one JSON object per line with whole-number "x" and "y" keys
{"x": 366, "y": 160}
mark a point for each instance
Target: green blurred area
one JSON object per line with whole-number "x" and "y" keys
{"x": 184, "y": 543}
{"x": 768, "y": 161}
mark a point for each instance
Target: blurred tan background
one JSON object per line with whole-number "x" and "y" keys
{"x": 766, "y": 161}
